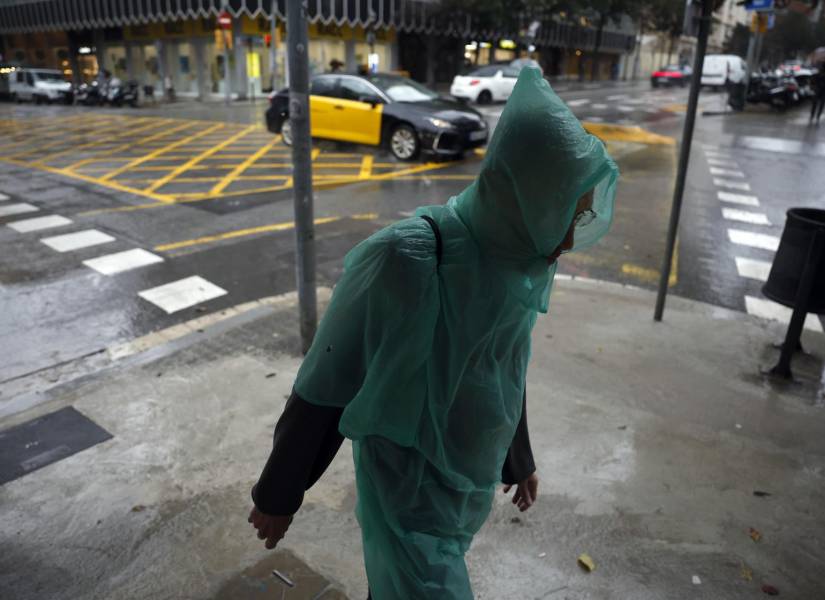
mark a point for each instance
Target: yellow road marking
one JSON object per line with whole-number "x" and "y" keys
{"x": 238, "y": 233}
{"x": 626, "y": 133}
{"x": 53, "y": 155}
{"x": 147, "y": 157}
{"x": 366, "y": 166}
{"x": 193, "y": 161}
{"x": 649, "y": 275}
{"x": 110, "y": 184}
{"x": 224, "y": 183}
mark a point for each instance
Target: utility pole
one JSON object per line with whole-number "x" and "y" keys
{"x": 297, "y": 57}
{"x": 684, "y": 153}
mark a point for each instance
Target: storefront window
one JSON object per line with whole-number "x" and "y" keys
{"x": 322, "y": 52}
{"x": 115, "y": 61}
{"x": 382, "y": 55}
{"x": 151, "y": 68}
{"x": 182, "y": 66}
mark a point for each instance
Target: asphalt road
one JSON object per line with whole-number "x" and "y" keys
{"x": 154, "y": 217}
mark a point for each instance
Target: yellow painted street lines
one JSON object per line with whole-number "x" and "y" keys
{"x": 182, "y": 168}
{"x": 238, "y": 233}
{"x": 98, "y": 133}
{"x": 236, "y": 172}
{"x": 625, "y": 133}
{"x": 366, "y": 166}
{"x": 652, "y": 276}
{"x": 152, "y": 155}
{"x": 151, "y": 125}
{"x": 110, "y": 184}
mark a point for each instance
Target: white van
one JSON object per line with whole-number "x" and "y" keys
{"x": 40, "y": 85}
{"x": 721, "y": 69}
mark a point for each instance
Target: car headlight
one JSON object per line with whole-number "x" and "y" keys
{"x": 440, "y": 123}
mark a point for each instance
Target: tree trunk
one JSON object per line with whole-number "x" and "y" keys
{"x": 670, "y": 50}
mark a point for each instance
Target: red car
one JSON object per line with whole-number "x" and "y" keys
{"x": 671, "y": 75}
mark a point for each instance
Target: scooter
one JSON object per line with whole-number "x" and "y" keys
{"x": 88, "y": 94}
{"x": 120, "y": 93}
{"x": 776, "y": 91}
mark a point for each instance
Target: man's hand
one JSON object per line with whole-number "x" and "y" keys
{"x": 271, "y": 528}
{"x": 526, "y": 492}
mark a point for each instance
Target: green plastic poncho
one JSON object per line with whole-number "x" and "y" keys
{"x": 430, "y": 361}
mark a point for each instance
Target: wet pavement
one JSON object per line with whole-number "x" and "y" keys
{"x": 202, "y": 195}
{"x": 650, "y": 439}
{"x": 168, "y": 322}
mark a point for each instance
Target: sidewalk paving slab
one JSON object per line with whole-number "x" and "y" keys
{"x": 650, "y": 439}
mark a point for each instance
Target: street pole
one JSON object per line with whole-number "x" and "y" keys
{"x": 684, "y": 154}
{"x": 297, "y": 57}
{"x": 749, "y": 57}
{"x": 225, "y": 38}
{"x": 273, "y": 47}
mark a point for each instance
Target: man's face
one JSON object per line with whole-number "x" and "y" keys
{"x": 584, "y": 203}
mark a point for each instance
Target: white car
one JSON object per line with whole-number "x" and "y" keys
{"x": 493, "y": 83}
{"x": 720, "y": 69}
{"x": 40, "y": 85}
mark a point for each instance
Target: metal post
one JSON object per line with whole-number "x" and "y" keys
{"x": 273, "y": 47}
{"x": 297, "y": 56}
{"x": 800, "y": 310}
{"x": 684, "y": 154}
{"x": 749, "y": 59}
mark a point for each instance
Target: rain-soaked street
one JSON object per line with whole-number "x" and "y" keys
{"x": 106, "y": 207}
{"x": 148, "y": 316}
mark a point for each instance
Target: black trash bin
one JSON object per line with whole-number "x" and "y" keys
{"x": 797, "y": 277}
{"x": 791, "y": 257}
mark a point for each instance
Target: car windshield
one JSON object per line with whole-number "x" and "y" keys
{"x": 401, "y": 89}
{"x": 671, "y": 68}
{"x": 49, "y": 76}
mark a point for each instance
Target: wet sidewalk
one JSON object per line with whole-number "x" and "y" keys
{"x": 662, "y": 453}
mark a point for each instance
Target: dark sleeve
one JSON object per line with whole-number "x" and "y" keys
{"x": 519, "y": 464}
{"x": 306, "y": 440}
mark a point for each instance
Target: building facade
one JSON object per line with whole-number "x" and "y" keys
{"x": 177, "y": 44}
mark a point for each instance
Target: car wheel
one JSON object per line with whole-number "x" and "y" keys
{"x": 485, "y": 97}
{"x": 286, "y": 132}
{"x": 654, "y": 84}
{"x": 404, "y": 143}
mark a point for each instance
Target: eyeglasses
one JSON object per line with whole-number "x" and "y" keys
{"x": 584, "y": 218}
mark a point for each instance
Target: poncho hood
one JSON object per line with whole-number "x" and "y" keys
{"x": 539, "y": 162}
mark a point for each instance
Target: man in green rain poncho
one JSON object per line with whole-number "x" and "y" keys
{"x": 422, "y": 355}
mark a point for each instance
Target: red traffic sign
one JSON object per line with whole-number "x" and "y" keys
{"x": 225, "y": 20}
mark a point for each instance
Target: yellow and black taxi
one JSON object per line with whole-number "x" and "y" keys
{"x": 383, "y": 110}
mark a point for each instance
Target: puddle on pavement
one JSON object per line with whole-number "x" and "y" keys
{"x": 258, "y": 582}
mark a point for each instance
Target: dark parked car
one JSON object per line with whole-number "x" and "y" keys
{"x": 383, "y": 110}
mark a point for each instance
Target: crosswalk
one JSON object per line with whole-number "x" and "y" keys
{"x": 631, "y": 108}
{"x": 750, "y": 233}
{"x": 170, "y": 297}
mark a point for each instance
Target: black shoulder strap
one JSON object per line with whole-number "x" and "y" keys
{"x": 437, "y": 233}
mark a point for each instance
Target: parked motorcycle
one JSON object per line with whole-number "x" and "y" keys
{"x": 120, "y": 93}
{"x": 777, "y": 91}
{"x": 88, "y": 94}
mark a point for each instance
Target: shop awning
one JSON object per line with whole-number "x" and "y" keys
{"x": 416, "y": 16}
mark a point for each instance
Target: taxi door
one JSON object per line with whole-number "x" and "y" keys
{"x": 357, "y": 120}
{"x": 322, "y": 115}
